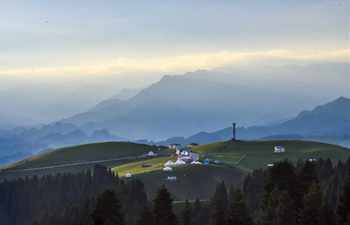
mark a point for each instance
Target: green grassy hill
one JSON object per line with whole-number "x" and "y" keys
{"x": 249, "y": 155}
{"x": 83, "y": 153}
{"x": 237, "y": 158}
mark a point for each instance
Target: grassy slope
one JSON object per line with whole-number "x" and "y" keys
{"x": 249, "y": 155}
{"x": 136, "y": 167}
{"x": 88, "y": 152}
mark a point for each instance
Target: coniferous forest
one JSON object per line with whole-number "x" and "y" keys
{"x": 306, "y": 193}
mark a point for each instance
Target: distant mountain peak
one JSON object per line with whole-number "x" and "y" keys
{"x": 341, "y": 99}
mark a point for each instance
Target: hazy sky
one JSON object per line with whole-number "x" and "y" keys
{"x": 59, "y": 57}
{"x": 81, "y": 37}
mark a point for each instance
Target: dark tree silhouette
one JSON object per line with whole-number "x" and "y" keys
{"x": 146, "y": 217}
{"x": 311, "y": 212}
{"x": 219, "y": 205}
{"x": 343, "y": 208}
{"x": 285, "y": 210}
{"x": 238, "y": 212}
{"x": 187, "y": 214}
{"x": 163, "y": 210}
{"x": 108, "y": 210}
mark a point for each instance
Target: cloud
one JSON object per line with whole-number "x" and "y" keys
{"x": 180, "y": 63}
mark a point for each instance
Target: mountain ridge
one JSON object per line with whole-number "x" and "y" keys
{"x": 186, "y": 104}
{"x": 307, "y": 124}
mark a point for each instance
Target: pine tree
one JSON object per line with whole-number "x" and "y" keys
{"x": 282, "y": 177}
{"x": 135, "y": 200}
{"x": 327, "y": 215}
{"x": 85, "y": 214}
{"x": 197, "y": 206}
{"x": 306, "y": 177}
{"x": 219, "y": 205}
{"x": 146, "y": 217}
{"x": 187, "y": 214}
{"x": 285, "y": 211}
{"x": 238, "y": 212}
{"x": 312, "y": 202}
{"x": 343, "y": 208}
{"x": 108, "y": 210}
{"x": 163, "y": 210}
{"x": 268, "y": 209}
{"x": 196, "y": 212}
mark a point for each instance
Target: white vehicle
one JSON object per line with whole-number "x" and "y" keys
{"x": 196, "y": 163}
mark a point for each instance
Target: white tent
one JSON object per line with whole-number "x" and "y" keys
{"x": 169, "y": 163}
{"x": 180, "y": 162}
{"x": 167, "y": 169}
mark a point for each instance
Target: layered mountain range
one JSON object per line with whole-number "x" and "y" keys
{"x": 181, "y": 105}
{"x": 202, "y": 103}
{"x": 329, "y": 123}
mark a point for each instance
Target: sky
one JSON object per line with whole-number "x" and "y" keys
{"x": 82, "y": 37}
{"x": 96, "y": 48}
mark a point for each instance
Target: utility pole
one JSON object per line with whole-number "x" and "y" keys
{"x": 233, "y": 131}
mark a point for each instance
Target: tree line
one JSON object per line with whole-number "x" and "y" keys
{"x": 305, "y": 193}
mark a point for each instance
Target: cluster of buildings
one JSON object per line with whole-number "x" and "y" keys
{"x": 184, "y": 156}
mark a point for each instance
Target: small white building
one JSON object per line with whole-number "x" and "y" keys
{"x": 167, "y": 169}
{"x": 174, "y": 146}
{"x": 279, "y": 149}
{"x": 151, "y": 154}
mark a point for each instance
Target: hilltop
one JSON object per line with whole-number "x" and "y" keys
{"x": 85, "y": 153}
{"x": 250, "y": 155}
